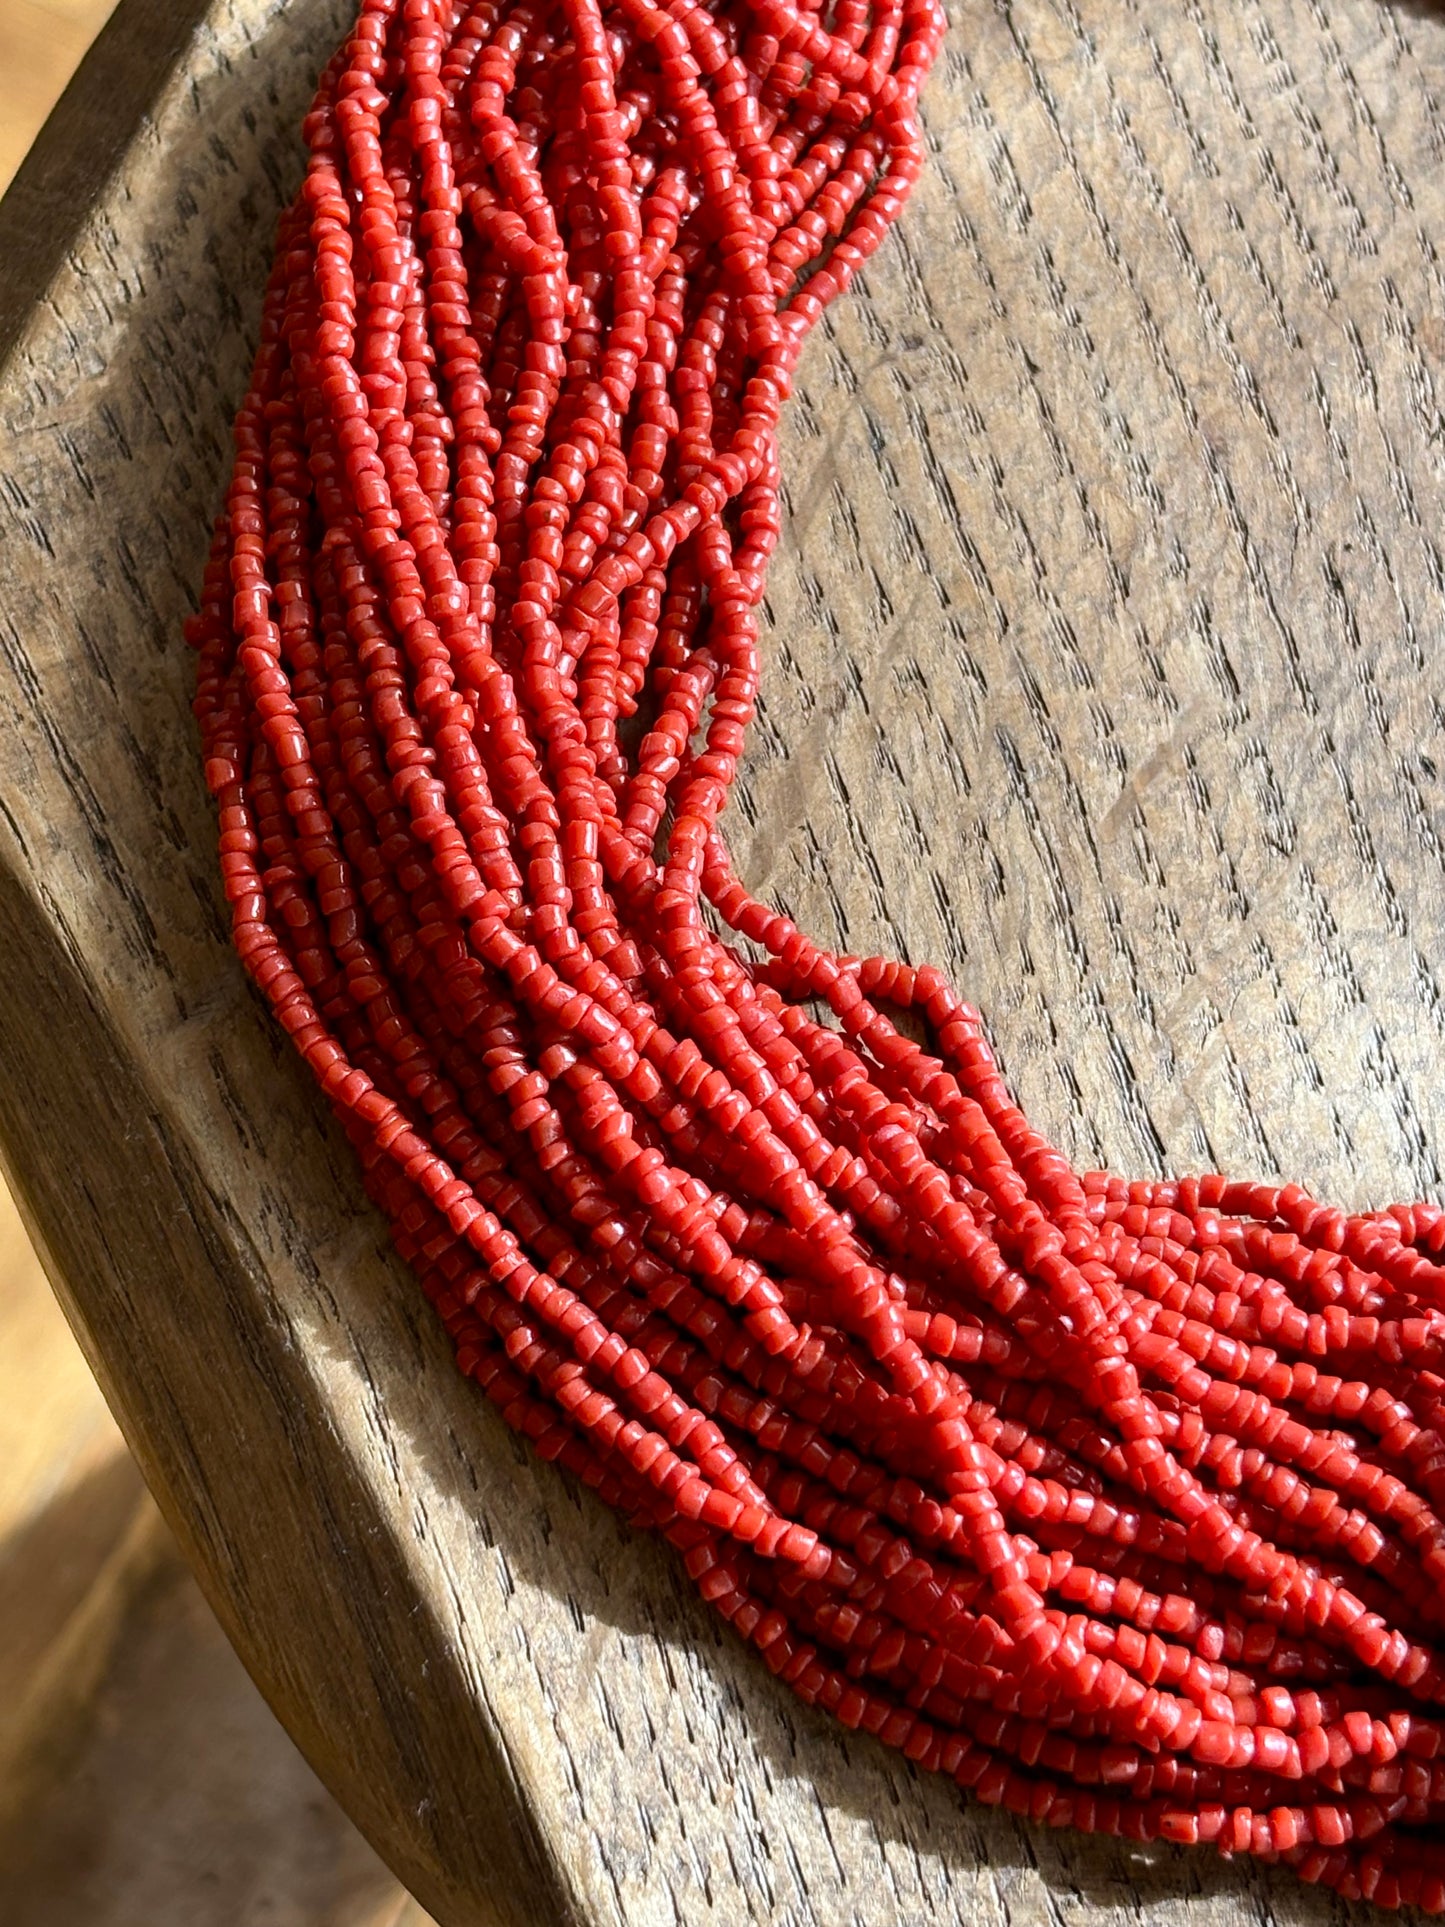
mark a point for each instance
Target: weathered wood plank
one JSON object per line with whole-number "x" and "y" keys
{"x": 1102, "y": 669}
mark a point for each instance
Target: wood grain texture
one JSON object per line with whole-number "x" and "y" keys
{"x": 1102, "y": 669}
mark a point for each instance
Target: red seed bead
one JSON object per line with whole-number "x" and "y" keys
{"x": 1121, "y": 1503}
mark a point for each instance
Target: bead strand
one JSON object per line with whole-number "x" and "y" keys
{"x": 1121, "y": 1503}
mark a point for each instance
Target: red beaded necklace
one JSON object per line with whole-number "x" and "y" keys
{"x": 1120, "y": 1503}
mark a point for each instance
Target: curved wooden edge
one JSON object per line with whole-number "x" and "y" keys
{"x": 115, "y": 1205}
{"x": 117, "y": 1209}
{"x": 82, "y": 142}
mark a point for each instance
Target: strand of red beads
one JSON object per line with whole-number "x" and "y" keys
{"x": 1120, "y": 1503}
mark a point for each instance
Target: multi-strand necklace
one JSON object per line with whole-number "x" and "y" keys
{"x": 1120, "y": 1503}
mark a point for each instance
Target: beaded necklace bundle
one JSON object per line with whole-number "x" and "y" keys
{"x": 1121, "y": 1503}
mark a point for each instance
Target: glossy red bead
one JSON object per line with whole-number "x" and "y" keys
{"x": 1121, "y": 1503}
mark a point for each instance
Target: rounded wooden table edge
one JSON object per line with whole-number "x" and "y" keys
{"x": 40, "y": 1081}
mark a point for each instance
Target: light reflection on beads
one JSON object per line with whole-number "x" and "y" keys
{"x": 1116, "y": 1502}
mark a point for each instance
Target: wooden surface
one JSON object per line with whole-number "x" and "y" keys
{"x": 41, "y": 42}
{"x": 144, "y": 1782}
{"x": 1103, "y": 668}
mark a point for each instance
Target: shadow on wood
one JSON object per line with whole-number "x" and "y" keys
{"x": 165, "y": 1792}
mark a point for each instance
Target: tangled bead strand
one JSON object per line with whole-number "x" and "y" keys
{"x": 1120, "y": 1503}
